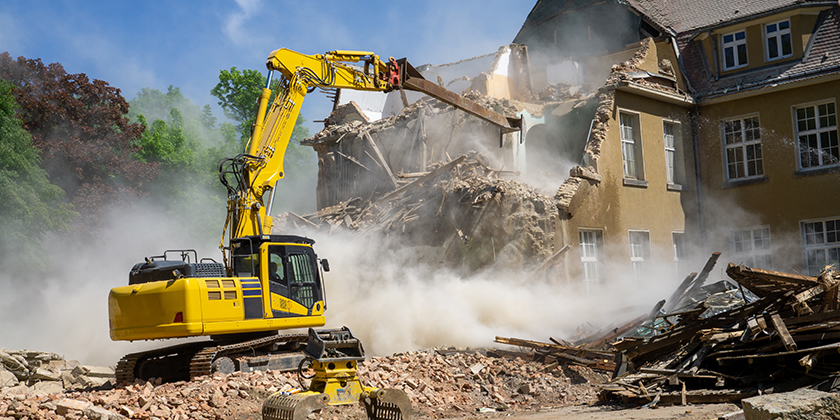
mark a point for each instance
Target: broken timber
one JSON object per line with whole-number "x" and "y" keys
{"x": 769, "y": 344}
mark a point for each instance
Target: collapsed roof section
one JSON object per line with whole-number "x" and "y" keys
{"x": 438, "y": 176}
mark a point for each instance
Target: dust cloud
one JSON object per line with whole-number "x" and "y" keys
{"x": 394, "y": 304}
{"x": 65, "y": 309}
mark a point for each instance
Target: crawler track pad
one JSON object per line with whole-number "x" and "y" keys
{"x": 293, "y": 407}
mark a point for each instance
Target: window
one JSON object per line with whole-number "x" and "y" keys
{"x": 735, "y": 50}
{"x": 679, "y": 249}
{"x": 742, "y": 141}
{"x": 302, "y": 280}
{"x": 590, "y": 253}
{"x": 822, "y": 244}
{"x": 777, "y": 40}
{"x": 671, "y": 131}
{"x": 631, "y": 146}
{"x": 816, "y": 130}
{"x": 639, "y": 254}
{"x": 751, "y": 247}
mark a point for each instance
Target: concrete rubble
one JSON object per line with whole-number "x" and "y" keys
{"x": 27, "y": 370}
{"x": 447, "y": 207}
{"x": 800, "y": 404}
{"x": 440, "y": 382}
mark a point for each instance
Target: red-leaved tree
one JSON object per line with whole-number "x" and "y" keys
{"x": 86, "y": 142}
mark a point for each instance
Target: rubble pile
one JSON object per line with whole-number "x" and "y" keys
{"x": 466, "y": 381}
{"x": 446, "y": 381}
{"x": 460, "y": 193}
{"x": 49, "y": 372}
{"x": 558, "y": 92}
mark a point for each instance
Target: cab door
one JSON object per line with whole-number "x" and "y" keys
{"x": 304, "y": 284}
{"x": 278, "y": 281}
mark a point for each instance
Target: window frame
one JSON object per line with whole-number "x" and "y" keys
{"x": 672, "y": 173}
{"x": 817, "y": 132}
{"x": 753, "y": 254}
{"x": 679, "y": 248}
{"x": 743, "y": 146}
{"x": 778, "y": 34}
{"x": 734, "y": 44}
{"x": 590, "y": 263}
{"x": 828, "y": 247}
{"x": 640, "y": 264}
{"x": 638, "y": 154}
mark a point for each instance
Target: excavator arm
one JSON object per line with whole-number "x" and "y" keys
{"x": 257, "y": 171}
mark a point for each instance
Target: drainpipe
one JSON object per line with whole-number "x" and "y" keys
{"x": 715, "y": 53}
{"x": 697, "y": 180}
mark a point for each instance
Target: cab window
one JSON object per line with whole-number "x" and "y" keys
{"x": 301, "y": 268}
{"x": 246, "y": 265}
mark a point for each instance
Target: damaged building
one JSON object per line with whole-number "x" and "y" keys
{"x": 674, "y": 124}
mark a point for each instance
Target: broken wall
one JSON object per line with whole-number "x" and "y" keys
{"x": 504, "y": 74}
{"x": 601, "y": 197}
{"x": 363, "y": 160}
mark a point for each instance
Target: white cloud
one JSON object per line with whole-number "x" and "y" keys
{"x": 234, "y": 24}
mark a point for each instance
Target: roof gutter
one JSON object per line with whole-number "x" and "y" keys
{"x": 664, "y": 96}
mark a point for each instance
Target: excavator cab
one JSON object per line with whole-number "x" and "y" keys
{"x": 280, "y": 276}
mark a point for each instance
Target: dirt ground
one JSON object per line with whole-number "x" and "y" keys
{"x": 608, "y": 412}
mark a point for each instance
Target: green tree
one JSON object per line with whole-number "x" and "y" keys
{"x": 31, "y": 206}
{"x": 238, "y": 92}
{"x": 79, "y": 125}
{"x": 185, "y": 141}
{"x": 166, "y": 143}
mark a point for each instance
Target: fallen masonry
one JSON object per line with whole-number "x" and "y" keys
{"x": 454, "y": 207}
{"x": 27, "y": 370}
{"x": 443, "y": 382}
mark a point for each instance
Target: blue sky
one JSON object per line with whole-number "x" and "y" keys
{"x": 155, "y": 44}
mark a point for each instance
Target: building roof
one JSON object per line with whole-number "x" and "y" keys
{"x": 689, "y": 15}
{"x": 821, "y": 58}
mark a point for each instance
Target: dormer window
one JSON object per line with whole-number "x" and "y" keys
{"x": 735, "y": 50}
{"x": 777, "y": 40}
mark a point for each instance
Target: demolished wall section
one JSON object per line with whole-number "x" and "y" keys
{"x": 599, "y": 129}
{"x": 402, "y": 176}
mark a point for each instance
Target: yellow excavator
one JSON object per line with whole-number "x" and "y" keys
{"x": 266, "y": 282}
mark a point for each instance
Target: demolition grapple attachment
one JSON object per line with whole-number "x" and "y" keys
{"x": 334, "y": 355}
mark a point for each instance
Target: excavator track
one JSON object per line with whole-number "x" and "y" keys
{"x": 202, "y": 362}
{"x": 202, "y": 358}
{"x": 128, "y": 366}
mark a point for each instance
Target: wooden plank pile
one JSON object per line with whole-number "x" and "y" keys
{"x": 563, "y": 353}
{"x": 785, "y": 337}
{"x": 767, "y": 332}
